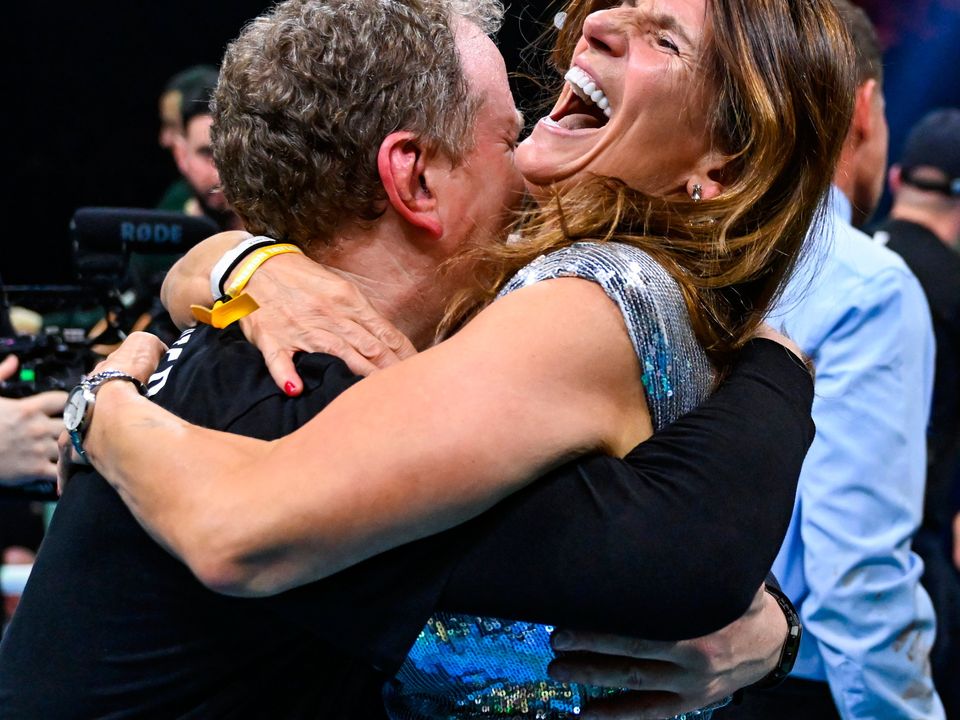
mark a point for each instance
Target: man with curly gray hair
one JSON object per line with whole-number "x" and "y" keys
{"x": 309, "y": 92}
{"x": 335, "y": 120}
{"x": 378, "y": 136}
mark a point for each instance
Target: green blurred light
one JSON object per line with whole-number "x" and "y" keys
{"x": 28, "y": 375}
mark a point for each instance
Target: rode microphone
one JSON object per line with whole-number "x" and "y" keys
{"x": 121, "y": 231}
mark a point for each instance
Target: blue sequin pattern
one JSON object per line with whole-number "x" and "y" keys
{"x": 463, "y": 667}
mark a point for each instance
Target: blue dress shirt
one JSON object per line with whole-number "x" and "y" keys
{"x": 861, "y": 315}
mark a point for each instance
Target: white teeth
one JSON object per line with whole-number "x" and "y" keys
{"x": 586, "y": 88}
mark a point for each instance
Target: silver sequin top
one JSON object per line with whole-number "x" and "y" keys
{"x": 474, "y": 667}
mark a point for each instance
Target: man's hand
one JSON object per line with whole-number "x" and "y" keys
{"x": 669, "y": 678}
{"x": 28, "y": 432}
{"x": 305, "y": 307}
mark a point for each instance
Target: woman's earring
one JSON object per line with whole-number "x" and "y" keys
{"x": 697, "y": 194}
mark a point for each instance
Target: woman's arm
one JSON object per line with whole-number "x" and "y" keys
{"x": 304, "y": 307}
{"x": 543, "y": 374}
{"x": 188, "y": 281}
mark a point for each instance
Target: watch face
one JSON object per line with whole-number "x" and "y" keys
{"x": 74, "y": 409}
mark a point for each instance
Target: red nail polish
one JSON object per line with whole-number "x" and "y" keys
{"x": 290, "y": 389}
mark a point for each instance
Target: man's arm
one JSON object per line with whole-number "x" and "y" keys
{"x": 861, "y": 499}
{"x": 670, "y": 678}
{"x": 644, "y": 533}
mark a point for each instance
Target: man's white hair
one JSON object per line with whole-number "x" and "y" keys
{"x": 485, "y": 14}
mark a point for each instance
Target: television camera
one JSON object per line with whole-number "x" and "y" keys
{"x": 105, "y": 242}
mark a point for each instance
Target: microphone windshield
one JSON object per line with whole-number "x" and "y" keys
{"x": 123, "y": 231}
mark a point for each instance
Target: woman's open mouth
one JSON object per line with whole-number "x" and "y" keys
{"x": 585, "y": 107}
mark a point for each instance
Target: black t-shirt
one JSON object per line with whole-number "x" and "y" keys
{"x": 111, "y": 625}
{"x": 937, "y": 267}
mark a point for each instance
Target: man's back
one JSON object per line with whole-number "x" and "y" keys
{"x": 937, "y": 267}
{"x": 111, "y": 624}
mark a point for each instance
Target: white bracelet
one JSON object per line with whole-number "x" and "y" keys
{"x": 231, "y": 258}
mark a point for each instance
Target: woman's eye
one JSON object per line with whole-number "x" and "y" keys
{"x": 665, "y": 42}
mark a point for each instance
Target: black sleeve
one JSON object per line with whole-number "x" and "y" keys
{"x": 671, "y": 542}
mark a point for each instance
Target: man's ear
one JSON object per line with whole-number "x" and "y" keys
{"x": 709, "y": 175}
{"x": 863, "y": 126}
{"x": 179, "y": 149}
{"x": 895, "y": 179}
{"x": 402, "y": 163}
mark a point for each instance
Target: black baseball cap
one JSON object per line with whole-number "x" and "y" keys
{"x": 934, "y": 142}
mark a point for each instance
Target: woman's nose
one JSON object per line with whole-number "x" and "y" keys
{"x": 604, "y": 33}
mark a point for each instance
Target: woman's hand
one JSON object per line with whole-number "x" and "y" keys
{"x": 138, "y": 355}
{"x": 305, "y": 307}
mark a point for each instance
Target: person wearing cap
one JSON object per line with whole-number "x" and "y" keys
{"x": 170, "y": 105}
{"x": 846, "y": 563}
{"x": 185, "y": 122}
{"x": 924, "y": 229}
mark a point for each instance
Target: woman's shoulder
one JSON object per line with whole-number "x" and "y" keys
{"x": 607, "y": 263}
{"x": 676, "y": 372}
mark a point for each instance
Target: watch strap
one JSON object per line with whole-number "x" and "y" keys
{"x": 93, "y": 382}
{"x": 90, "y": 384}
{"x": 791, "y": 645}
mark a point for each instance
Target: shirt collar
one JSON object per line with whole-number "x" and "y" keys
{"x": 838, "y": 204}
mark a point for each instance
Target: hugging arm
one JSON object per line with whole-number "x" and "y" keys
{"x": 645, "y": 533}
{"x": 412, "y": 450}
{"x": 344, "y": 323}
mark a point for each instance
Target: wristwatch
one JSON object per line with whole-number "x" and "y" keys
{"x": 78, "y": 411}
{"x": 791, "y": 646}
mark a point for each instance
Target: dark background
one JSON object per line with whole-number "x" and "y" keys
{"x": 82, "y": 82}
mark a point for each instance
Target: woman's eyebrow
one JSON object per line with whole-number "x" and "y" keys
{"x": 670, "y": 23}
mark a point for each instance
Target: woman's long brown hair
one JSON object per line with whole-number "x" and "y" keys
{"x": 784, "y": 85}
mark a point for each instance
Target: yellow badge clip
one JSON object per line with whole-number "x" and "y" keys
{"x": 223, "y": 313}
{"x": 239, "y": 304}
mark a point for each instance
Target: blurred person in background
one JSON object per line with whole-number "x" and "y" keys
{"x": 193, "y": 153}
{"x": 184, "y": 84}
{"x": 29, "y": 428}
{"x": 860, "y": 314}
{"x": 924, "y": 229}
{"x": 185, "y": 120}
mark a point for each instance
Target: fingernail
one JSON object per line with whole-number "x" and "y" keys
{"x": 291, "y": 389}
{"x": 561, "y": 640}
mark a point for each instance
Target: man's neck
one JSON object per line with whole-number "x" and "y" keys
{"x": 399, "y": 281}
{"x": 945, "y": 226}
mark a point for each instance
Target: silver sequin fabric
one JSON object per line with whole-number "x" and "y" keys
{"x": 467, "y": 667}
